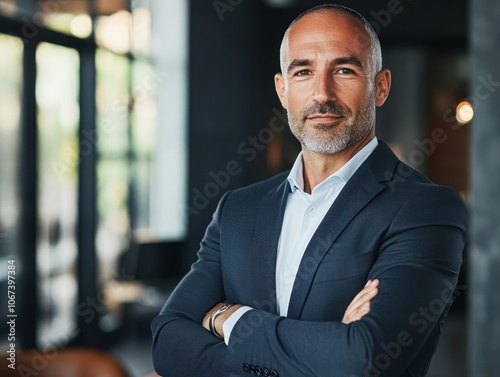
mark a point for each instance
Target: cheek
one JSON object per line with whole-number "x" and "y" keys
{"x": 297, "y": 99}
{"x": 353, "y": 97}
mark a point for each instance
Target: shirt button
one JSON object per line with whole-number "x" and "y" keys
{"x": 312, "y": 212}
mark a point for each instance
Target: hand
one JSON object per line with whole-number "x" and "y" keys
{"x": 221, "y": 318}
{"x": 360, "y": 305}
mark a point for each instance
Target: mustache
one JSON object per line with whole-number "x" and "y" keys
{"x": 326, "y": 108}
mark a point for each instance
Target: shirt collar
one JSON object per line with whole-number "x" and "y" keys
{"x": 296, "y": 175}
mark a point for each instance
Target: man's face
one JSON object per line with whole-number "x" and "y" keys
{"x": 327, "y": 84}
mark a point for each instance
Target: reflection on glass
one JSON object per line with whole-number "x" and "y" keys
{"x": 142, "y": 188}
{"x": 11, "y": 50}
{"x": 81, "y": 26}
{"x": 145, "y": 82}
{"x": 113, "y": 226}
{"x": 145, "y": 109}
{"x": 141, "y": 29}
{"x": 113, "y": 32}
{"x": 60, "y": 15}
{"x": 113, "y": 167}
{"x": 112, "y": 96}
{"x": 57, "y": 90}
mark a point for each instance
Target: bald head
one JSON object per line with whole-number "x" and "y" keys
{"x": 360, "y": 26}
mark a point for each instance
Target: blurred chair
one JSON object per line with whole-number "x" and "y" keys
{"x": 71, "y": 362}
{"x": 153, "y": 262}
{"x": 149, "y": 271}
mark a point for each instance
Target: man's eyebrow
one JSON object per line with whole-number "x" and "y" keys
{"x": 348, "y": 60}
{"x": 298, "y": 63}
{"x": 352, "y": 60}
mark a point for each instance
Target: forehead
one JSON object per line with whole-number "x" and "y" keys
{"x": 329, "y": 34}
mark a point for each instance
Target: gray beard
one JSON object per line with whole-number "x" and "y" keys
{"x": 324, "y": 139}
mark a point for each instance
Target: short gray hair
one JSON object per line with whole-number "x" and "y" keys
{"x": 376, "y": 51}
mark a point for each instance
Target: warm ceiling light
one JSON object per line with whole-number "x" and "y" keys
{"x": 465, "y": 112}
{"x": 81, "y": 26}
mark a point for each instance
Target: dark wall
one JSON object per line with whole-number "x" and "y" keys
{"x": 233, "y": 58}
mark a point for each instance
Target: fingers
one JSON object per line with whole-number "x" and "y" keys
{"x": 369, "y": 291}
{"x": 360, "y": 305}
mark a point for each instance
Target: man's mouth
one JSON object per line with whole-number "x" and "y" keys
{"x": 324, "y": 118}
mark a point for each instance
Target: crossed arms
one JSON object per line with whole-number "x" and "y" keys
{"x": 357, "y": 309}
{"x": 417, "y": 266}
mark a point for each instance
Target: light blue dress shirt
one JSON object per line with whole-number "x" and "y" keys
{"x": 303, "y": 214}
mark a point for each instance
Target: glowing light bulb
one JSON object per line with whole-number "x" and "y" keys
{"x": 465, "y": 112}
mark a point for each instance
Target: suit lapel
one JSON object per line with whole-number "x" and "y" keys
{"x": 359, "y": 190}
{"x": 265, "y": 246}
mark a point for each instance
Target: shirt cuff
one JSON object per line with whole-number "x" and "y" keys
{"x": 228, "y": 325}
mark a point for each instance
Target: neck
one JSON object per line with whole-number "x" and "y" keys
{"x": 318, "y": 167}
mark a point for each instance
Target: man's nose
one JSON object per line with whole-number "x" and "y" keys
{"x": 324, "y": 90}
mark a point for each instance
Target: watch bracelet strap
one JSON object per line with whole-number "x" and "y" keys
{"x": 213, "y": 317}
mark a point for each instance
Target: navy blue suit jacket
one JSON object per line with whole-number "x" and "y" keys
{"x": 389, "y": 222}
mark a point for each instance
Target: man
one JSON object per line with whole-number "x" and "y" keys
{"x": 280, "y": 287}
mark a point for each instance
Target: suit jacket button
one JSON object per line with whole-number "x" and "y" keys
{"x": 273, "y": 374}
{"x": 265, "y": 372}
{"x": 246, "y": 367}
{"x": 252, "y": 369}
{"x": 258, "y": 371}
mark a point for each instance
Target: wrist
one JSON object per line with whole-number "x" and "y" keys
{"x": 214, "y": 325}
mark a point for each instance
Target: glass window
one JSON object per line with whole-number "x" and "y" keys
{"x": 113, "y": 166}
{"x": 113, "y": 31}
{"x": 113, "y": 99}
{"x": 11, "y": 50}
{"x": 170, "y": 164}
{"x": 145, "y": 83}
{"x": 141, "y": 28}
{"x": 57, "y": 90}
{"x": 113, "y": 221}
{"x": 69, "y": 17}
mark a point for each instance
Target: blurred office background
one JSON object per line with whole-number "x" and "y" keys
{"x": 122, "y": 122}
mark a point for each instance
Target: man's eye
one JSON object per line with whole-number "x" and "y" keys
{"x": 345, "y": 71}
{"x": 303, "y": 72}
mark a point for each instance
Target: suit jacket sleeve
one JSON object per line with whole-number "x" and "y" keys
{"x": 418, "y": 265}
{"x": 181, "y": 346}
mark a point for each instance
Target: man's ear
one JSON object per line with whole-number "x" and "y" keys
{"x": 382, "y": 86}
{"x": 279, "y": 84}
